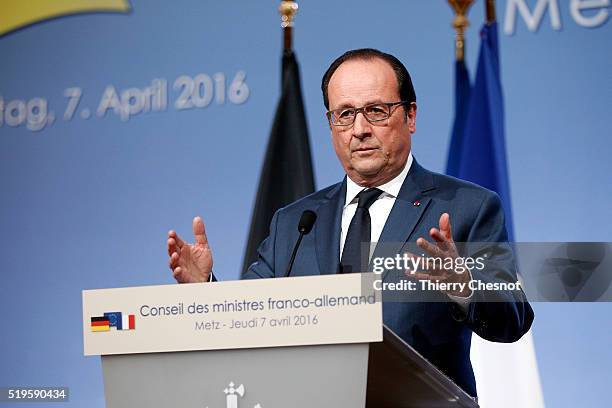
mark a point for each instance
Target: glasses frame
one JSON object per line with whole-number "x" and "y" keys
{"x": 389, "y": 105}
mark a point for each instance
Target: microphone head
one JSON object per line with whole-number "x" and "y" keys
{"x": 307, "y": 220}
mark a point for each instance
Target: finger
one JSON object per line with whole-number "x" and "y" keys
{"x": 179, "y": 242}
{"x": 419, "y": 265}
{"x": 199, "y": 231}
{"x": 428, "y": 247}
{"x": 421, "y": 276}
{"x": 174, "y": 259}
{"x": 440, "y": 239}
{"x": 413, "y": 264}
{"x": 437, "y": 235}
{"x": 172, "y": 247}
{"x": 428, "y": 273}
{"x": 177, "y": 274}
{"x": 445, "y": 226}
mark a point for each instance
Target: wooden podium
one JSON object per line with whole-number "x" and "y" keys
{"x": 297, "y": 342}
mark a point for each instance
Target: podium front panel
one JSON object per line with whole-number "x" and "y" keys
{"x": 297, "y": 377}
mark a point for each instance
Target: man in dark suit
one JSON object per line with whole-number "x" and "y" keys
{"x": 387, "y": 197}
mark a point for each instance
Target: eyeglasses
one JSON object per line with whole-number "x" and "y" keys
{"x": 375, "y": 112}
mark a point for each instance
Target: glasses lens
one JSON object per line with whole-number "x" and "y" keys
{"x": 376, "y": 112}
{"x": 343, "y": 116}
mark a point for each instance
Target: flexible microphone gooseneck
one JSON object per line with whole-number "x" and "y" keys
{"x": 307, "y": 220}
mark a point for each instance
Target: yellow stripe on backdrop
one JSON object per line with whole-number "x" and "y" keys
{"x": 15, "y": 14}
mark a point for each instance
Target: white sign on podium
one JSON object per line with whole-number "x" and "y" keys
{"x": 330, "y": 309}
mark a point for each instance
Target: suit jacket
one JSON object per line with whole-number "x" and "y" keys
{"x": 439, "y": 330}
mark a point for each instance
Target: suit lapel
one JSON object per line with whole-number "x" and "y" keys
{"x": 409, "y": 208}
{"x": 327, "y": 229}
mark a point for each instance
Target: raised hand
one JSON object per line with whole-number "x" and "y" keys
{"x": 444, "y": 248}
{"x": 190, "y": 263}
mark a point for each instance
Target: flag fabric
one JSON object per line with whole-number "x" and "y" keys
{"x": 287, "y": 173}
{"x": 131, "y": 322}
{"x": 115, "y": 319}
{"x": 479, "y": 155}
{"x": 100, "y": 323}
{"x": 506, "y": 374}
{"x": 118, "y": 320}
{"x": 462, "y": 102}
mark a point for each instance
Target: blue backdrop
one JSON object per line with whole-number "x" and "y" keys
{"x": 90, "y": 189}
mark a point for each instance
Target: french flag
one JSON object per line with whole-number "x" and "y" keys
{"x": 129, "y": 322}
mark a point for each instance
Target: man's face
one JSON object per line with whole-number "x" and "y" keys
{"x": 371, "y": 153}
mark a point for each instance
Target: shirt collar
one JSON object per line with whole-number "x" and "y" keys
{"x": 390, "y": 188}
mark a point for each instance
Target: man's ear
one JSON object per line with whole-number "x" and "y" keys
{"x": 411, "y": 116}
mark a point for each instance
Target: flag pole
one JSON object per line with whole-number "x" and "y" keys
{"x": 287, "y": 10}
{"x": 286, "y": 174}
{"x": 490, "y": 9}
{"x": 460, "y": 24}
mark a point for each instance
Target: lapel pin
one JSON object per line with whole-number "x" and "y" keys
{"x": 416, "y": 203}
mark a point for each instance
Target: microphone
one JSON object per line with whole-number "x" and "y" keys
{"x": 305, "y": 225}
{"x": 307, "y": 221}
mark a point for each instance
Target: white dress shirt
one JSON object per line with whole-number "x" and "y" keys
{"x": 379, "y": 210}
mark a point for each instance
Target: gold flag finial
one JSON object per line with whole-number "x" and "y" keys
{"x": 460, "y": 23}
{"x": 287, "y": 10}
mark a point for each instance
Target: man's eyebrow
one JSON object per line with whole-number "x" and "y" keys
{"x": 351, "y": 106}
{"x": 344, "y": 106}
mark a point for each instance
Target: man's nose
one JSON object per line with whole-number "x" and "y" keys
{"x": 361, "y": 127}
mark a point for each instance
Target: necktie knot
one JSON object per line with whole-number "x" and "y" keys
{"x": 367, "y": 197}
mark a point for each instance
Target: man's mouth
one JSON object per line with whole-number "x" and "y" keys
{"x": 364, "y": 149}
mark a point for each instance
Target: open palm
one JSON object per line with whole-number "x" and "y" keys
{"x": 190, "y": 263}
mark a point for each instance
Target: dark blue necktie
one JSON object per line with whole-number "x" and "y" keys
{"x": 359, "y": 234}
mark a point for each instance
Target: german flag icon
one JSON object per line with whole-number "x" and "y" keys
{"x": 99, "y": 324}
